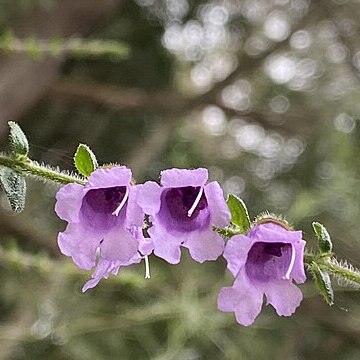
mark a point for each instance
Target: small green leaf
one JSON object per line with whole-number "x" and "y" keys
{"x": 323, "y": 283}
{"x": 14, "y": 186}
{"x": 239, "y": 213}
{"x": 85, "y": 160}
{"x": 18, "y": 140}
{"x": 325, "y": 244}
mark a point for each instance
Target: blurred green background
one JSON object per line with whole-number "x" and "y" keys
{"x": 265, "y": 93}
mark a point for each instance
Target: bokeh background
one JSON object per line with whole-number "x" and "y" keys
{"x": 264, "y": 93}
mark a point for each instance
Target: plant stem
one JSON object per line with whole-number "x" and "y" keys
{"x": 333, "y": 266}
{"x": 345, "y": 271}
{"x": 25, "y": 166}
{"x": 228, "y": 232}
{"x": 308, "y": 258}
{"x": 77, "y": 47}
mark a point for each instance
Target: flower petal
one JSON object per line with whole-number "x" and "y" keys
{"x": 146, "y": 246}
{"x": 119, "y": 245}
{"x": 284, "y": 296}
{"x": 298, "y": 272}
{"x": 106, "y": 178}
{"x": 69, "y": 201}
{"x": 219, "y": 212}
{"x": 134, "y": 213}
{"x": 166, "y": 245}
{"x": 204, "y": 245}
{"x": 271, "y": 232}
{"x": 184, "y": 177}
{"x": 236, "y": 252}
{"x": 148, "y": 198}
{"x": 102, "y": 271}
{"x": 242, "y": 298}
{"x": 80, "y": 244}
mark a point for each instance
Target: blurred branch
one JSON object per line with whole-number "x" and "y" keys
{"x": 56, "y": 47}
{"x": 18, "y": 260}
{"x": 116, "y": 98}
{"x": 120, "y": 99}
{"x": 24, "y": 81}
{"x": 167, "y": 103}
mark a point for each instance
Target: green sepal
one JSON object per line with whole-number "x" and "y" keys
{"x": 18, "y": 140}
{"x": 239, "y": 214}
{"x": 325, "y": 244}
{"x": 14, "y": 186}
{"x": 323, "y": 283}
{"x": 85, "y": 160}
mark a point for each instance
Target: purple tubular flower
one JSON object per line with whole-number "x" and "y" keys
{"x": 266, "y": 261}
{"x": 183, "y": 211}
{"x": 104, "y": 223}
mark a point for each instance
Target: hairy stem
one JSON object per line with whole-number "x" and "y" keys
{"x": 227, "y": 232}
{"x": 25, "y": 166}
{"x": 76, "y": 47}
{"x": 341, "y": 270}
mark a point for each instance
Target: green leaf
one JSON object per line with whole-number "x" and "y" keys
{"x": 18, "y": 140}
{"x": 14, "y": 186}
{"x": 85, "y": 160}
{"x": 325, "y": 244}
{"x": 239, "y": 213}
{"x": 323, "y": 283}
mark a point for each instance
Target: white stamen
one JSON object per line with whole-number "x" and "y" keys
{"x": 291, "y": 265}
{"x": 196, "y": 202}
{"x": 147, "y": 267}
{"x": 123, "y": 201}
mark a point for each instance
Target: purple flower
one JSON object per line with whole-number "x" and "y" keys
{"x": 266, "y": 261}
{"x": 104, "y": 223}
{"x": 183, "y": 211}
